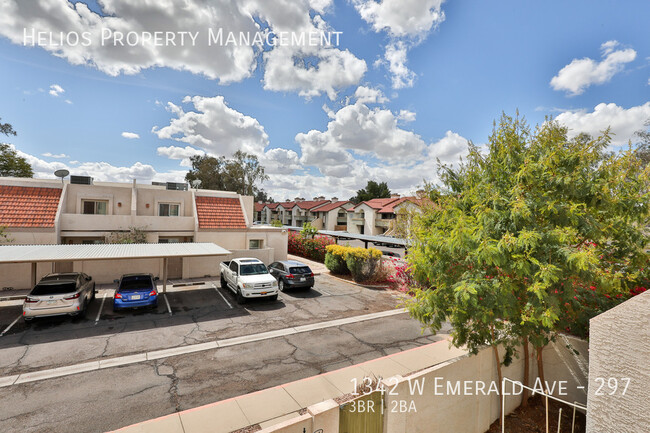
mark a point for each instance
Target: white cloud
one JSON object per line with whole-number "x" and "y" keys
{"x": 368, "y": 95}
{"x": 280, "y": 161}
{"x": 401, "y": 17}
{"x": 57, "y": 156}
{"x": 406, "y": 116}
{"x": 130, "y": 135}
{"x": 360, "y": 129}
{"x": 578, "y": 75}
{"x": 623, "y": 122}
{"x": 67, "y": 101}
{"x": 101, "y": 171}
{"x": 401, "y": 75}
{"x": 308, "y": 70}
{"x": 56, "y": 90}
{"x": 214, "y": 127}
{"x": 175, "y": 152}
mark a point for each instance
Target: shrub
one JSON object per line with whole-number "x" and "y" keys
{"x": 362, "y": 263}
{"x": 276, "y": 223}
{"x": 335, "y": 260}
{"x": 308, "y": 230}
{"x": 313, "y": 249}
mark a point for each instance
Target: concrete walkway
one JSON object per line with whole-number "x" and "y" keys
{"x": 274, "y": 405}
{"x": 316, "y": 267}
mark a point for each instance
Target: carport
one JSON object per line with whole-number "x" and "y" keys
{"x": 377, "y": 240}
{"x": 12, "y": 254}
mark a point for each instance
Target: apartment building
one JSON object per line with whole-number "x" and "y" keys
{"x": 332, "y": 216}
{"x": 378, "y": 216}
{"x": 80, "y": 211}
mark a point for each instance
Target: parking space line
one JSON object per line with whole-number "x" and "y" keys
{"x": 9, "y": 327}
{"x": 325, "y": 291}
{"x": 222, "y": 297}
{"x": 167, "y": 302}
{"x": 68, "y": 370}
{"x": 101, "y": 307}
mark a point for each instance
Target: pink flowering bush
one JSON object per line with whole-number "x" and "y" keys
{"x": 310, "y": 248}
{"x": 401, "y": 277}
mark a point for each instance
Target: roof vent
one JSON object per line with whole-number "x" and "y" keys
{"x": 81, "y": 180}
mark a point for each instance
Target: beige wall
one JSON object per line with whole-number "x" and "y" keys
{"x": 18, "y": 276}
{"x": 115, "y": 195}
{"x": 153, "y": 197}
{"x": 619, "y": 347}
{"x": 30, "y": 236}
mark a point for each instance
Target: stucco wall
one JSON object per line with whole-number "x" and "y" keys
{"x": 619, "y": 347}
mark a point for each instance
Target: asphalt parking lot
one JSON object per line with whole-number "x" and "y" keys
{"x": 185, "y": 315}
{"x": 207, "y": 349}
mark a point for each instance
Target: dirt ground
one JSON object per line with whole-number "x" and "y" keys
{"x": 533, "y": 419}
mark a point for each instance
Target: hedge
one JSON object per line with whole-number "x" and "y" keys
{"x": 311, "y": 248}
{"x": 362, "y": 263}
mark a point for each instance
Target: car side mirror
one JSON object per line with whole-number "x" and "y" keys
{"x": 116, "y": 281}
{"x": 89, "y": 278}
{"x": 156, "y": 278}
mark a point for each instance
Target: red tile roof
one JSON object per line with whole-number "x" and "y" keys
{"x": 219, "y": 213}
{"x": 271, "y": 206}
{"x": 310, "y": 204}
{"x": 22, "y": 206}
{"x": 259, "y": 207}
{"x": 329, "y": 206}
{"x": 378, "y": 203}
{"x": 288, "y": 205}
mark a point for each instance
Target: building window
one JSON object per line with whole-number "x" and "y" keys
{"x": 168, "y": 209}
{"x": 94, "y": 207}
{"x": 255, "y": 244}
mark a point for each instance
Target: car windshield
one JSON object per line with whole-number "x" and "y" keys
{"x": 254, "y": 269}
{"x": 130, "y": 284}
{"x": 299, "y": 271}
{"x": 54, "y": 289}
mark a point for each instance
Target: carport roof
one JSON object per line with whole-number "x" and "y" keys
{"x": 61, "y": 253}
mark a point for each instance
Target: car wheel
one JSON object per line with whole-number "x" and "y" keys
{"x": 82, "y": 313}
{"x": 281, "y": 285}
{"x": 28, "y": 319}
{"x": 240, "y": 297}
{"x": 92, "y": 298}
{"x": 224, "y": 285}
{"x": 309, "y": 287}
{"x": 273, "y": 298}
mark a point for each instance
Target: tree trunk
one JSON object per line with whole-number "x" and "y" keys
{"x": 540, "y": 372}
{"x": 526, "y": 392}
{"x": 495, "y": 349}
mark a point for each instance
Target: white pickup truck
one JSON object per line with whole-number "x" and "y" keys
{"x": 248, "y": 278}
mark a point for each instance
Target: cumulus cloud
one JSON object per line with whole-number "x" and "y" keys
{"x": 182, "y": 153}
{"x": 308, "y": 70}
{"x": 406, "y": 116}
{"x": 578, "y": 75}
{"x": 56, "y": 156}
{"x": 368, "y": 95}
{"x": 130, "y": 135}
{"x": 280, "y": 161}
{"x": 360, "y": 129}
{"x": 623, "y": 122}
{"x": 214, "y": 127}
{"x": 407, "y": 22}
{"x": 401, "y": 17}
{"x": 101, "y": 171}
{"x": 56, "y": 90}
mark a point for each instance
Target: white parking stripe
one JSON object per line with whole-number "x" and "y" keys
{"x": 222, "y": 297}
{"x": 9, "y": 327}
{"x": 324, "y": 291}
{"x": 67, "y": 370}
{"x": 168, "y": 307}
{"x": 101, "y": 307}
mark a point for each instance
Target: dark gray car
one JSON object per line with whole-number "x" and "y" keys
{"x": 292, "y": 274}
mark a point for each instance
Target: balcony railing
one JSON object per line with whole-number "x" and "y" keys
{"x": 81, "y": 222}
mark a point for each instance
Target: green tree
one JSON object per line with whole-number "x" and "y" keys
{"x": 517, "y": 231}
{"x": 240, "y": 174}
{"x": 262, "y": 196}
{"x": 643, "y": 148}
{"x": 372, "y": 190}
{"x": 10, "y": 163}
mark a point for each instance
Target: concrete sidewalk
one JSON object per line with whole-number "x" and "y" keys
{"x": 316, "y": 267}
{"x": 274, "y": 405}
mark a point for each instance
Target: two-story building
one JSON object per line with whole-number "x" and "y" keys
{"x": 35, "y": 211}
{"x": 378, "y": 216}
{"x": 332, "y": 216}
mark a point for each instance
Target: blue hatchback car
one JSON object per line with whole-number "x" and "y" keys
{"x": 135, "y": 290}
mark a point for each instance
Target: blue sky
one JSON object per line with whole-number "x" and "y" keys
{"x": 411, "y": 81}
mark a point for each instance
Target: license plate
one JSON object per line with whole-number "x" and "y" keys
{"x": 135, "y": 297}
{"x": 302, "y": 279}
{"x": 51, "y": 302}
{"x": 264, "y": 293}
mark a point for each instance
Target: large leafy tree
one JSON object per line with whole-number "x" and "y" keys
{"x": 241, "y": 174}
{"x": 10, "y": 163}
{"x": 643, "y": 149}
{"x": 518, "y": 230}
{"x": 372, "y": 190}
